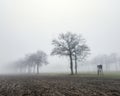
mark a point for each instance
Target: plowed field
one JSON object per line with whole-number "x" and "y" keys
{"x": 58, "y": 86}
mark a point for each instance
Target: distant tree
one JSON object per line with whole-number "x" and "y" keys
{"x": 67, "y": 44}
{"x": 31, "y": 61}
{"x": 20, "y": 65}
{"x": 107, "y": 60}
{"x": 114, "y": 60}
{"x": 119, "y": 62}
{"x": 38, "y": 59}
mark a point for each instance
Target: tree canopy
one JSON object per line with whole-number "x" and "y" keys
{"x": 70, "y": 44}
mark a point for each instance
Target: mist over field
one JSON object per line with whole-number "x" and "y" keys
{"x": 27, "y": 26}
{"x": 59, "y": 48}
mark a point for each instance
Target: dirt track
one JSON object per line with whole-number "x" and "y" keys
{"x": 58, "y": 86}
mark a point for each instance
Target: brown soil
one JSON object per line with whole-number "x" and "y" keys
{"x": 58, "y": 86}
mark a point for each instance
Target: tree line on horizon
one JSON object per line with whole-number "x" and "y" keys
{"x": 67, "y": 44}
{"x": 31, "y": 63}
{"x": 107, "y": 60}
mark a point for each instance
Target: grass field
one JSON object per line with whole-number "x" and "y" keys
{"x": 86, "y": 74}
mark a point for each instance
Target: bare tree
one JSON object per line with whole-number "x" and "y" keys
{"x": 114, "y": 60}
{"x": 38, "y": 59}
{"x": 107, "y": 60}
{"x": 31, "y": 61}
{"x": 67, "y": 44}
{"x": 19, "y": 65}
{"x": 80, "y": 53}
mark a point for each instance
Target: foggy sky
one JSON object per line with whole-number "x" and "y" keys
{"x": 30, "y": 25}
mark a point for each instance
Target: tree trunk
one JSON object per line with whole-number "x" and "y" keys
{"x": 29, "y": 69}
{"x": 75, "y": 64}
{"x": 37, "y": 69}
{"x": 116, "y": 66}
{"x": 34, "y": 68}
{"x": 71, "y": 65}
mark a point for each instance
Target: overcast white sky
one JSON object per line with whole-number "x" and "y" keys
{"x": 30, "y": 25}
